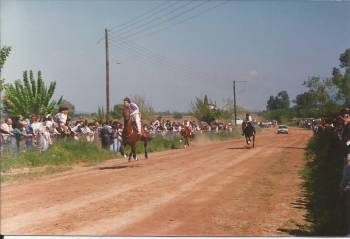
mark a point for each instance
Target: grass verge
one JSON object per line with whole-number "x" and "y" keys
{"x": 322, "y": 176}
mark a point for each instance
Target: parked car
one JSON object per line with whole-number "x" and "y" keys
{"x": 282, "y": 129}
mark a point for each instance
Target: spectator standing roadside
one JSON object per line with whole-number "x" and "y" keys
{"x": 115, "y": 146}
{"x": 45, "y": 138}
{"x": 106, "y": 135}
{"x": 17, "y": 133}
{"x": 7, "y": 130}
{"x": 28, "y": 130}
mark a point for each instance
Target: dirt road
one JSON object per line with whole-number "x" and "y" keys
{"x": 216, "y": 189}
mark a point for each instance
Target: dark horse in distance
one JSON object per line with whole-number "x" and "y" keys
{"x": 130, "y": 136}
{"x": 249, "y": 133}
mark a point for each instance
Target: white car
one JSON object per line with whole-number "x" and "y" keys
{"x": 282, "y": 129}
{"x": 239, "y": 121}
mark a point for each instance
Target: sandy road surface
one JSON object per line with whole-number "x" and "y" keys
{"x": 215, "y": 189}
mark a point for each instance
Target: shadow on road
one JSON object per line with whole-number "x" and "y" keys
{"x": 296, "y": 229}
{"x": 300, "y": 231}
{"x": 114, "y": 167}
{"x": 238, "y": 148}
{"x": 289, "y": 147}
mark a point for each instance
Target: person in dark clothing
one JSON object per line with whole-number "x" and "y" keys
{"x": 106, "y": 136}
{"x": 17, "y": 134}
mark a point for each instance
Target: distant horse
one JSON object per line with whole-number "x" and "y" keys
{"x": 186, "y": 135}
{"x": 130, "y": 136}
{"x": 249, "y": 132}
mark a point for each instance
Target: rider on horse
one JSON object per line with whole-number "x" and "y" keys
{"x": 134, "y": 113}
{"x": 248, "y": 120}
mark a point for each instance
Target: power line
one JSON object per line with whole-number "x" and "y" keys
{"x": 176, "y": 23}
{"x": 137, "y": 18}
{"x": 148, "y": 53}
{"x": 153, "y": 17}
{"x": 142, "y": 18}
{"x": 171, "y": 67}
{"x": 187, "y": 19}
{"x": 164, "y": 21}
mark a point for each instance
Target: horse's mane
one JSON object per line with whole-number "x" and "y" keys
{"x": 126, "y": 113}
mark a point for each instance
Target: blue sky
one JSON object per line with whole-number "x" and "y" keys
{"x": 272, "y": 45}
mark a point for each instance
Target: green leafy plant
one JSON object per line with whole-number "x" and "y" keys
{"x": 30, "y": 96}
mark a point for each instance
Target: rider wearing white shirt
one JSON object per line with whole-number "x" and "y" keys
{"x": 134, "y": 113}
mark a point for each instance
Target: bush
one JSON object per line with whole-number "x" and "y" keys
{"x": 322, "y": 175}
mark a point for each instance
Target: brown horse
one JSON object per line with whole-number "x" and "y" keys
{"x": 130, "y": 136}
{"x": 186, "y": 135}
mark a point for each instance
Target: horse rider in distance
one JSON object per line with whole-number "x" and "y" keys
{"x": 248, "y": 119}
{"x": 134, "y": 113}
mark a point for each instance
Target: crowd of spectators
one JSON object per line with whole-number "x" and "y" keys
{"x": 18, "y": 134}
{"x": 340, "y": 125}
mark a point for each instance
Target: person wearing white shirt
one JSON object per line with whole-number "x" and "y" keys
{"x": 7, "y": 126}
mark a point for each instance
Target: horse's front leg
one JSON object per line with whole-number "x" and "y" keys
{"x": 253, "y": 140}
{"x": 121, "y": 150}
{"x": 134, "y": 152}
{"x": 130, "y": 156}
{"x": 145, "y": 146}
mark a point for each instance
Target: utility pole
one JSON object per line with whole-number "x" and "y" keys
{"x": 234, "y": 98}
{"x": 234, "y": 101}
{"x": 1, "y": 86}
{"x": 107, "y": 76}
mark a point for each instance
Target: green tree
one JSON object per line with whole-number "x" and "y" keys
{"x": 342, "y": 80}
{"x": 317, "y": 101}
{"x": 281, "y": 101}
{"x": 4, "y": 53}
{"x": 201, "y": 110}
{"x": 30, "y": 96}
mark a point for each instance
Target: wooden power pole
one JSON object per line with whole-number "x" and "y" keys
{"x": 107, "y": 76}
{"x": 234, "y": 101}
{"x": 234, "y": 98}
